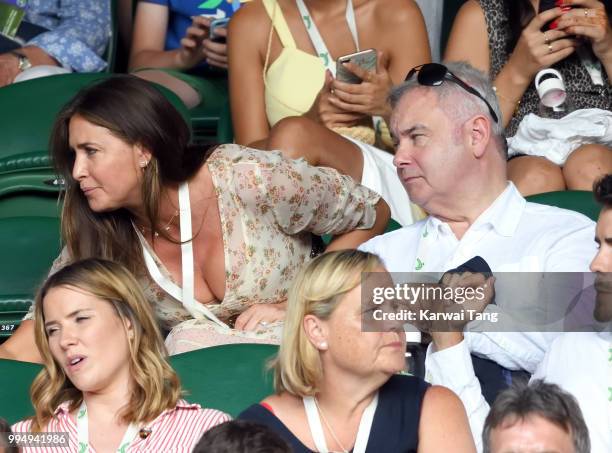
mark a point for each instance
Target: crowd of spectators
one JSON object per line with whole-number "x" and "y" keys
{"x": 173, "y": 245}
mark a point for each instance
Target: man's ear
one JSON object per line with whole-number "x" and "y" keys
{"x": 316, "y": 331}
{"x": 478, "y": 131}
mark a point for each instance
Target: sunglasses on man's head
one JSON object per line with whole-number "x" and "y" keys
{"x": 434, "y": 74}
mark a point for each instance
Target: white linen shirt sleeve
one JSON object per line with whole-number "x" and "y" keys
{"x": 452, "y": 368}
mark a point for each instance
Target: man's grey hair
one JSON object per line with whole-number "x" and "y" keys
{"x": 458, "y": 104}
{"x": 549, "y": 401}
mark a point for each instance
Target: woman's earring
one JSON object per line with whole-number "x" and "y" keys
{"x": 143, "y": 163}
{"x": 323, "y": 345}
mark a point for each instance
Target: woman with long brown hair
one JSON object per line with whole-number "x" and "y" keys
{"x": 214, "y": 235}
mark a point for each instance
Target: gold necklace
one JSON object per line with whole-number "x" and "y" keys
{"x": 165, "y": 228}
{"x": 329, "y": 428}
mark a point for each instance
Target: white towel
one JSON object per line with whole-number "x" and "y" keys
{"x": 555, "y": 139}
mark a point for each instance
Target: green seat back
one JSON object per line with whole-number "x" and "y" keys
{"x": 29, "y": 245}
{"x": 205, "y": 117}
{"x": 15, "y": 381}
{"x": 29, "y": 109}
{"x": 229, "y": 378}
{"x": 574, "y": 200}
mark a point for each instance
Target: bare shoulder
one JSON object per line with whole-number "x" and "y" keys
{"x": 251, "y": 18}
{"x": 397, "y": 12}
{"x": 438, "y": 398}
{"x": 454, "y": 435}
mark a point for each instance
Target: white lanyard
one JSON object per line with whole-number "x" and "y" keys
{"x": 317, "y": 40}
{"x": 321, "y": 48}
{"x": 186, "y": 294}
{"x": 83, "y": 432}
{"x": 363, "y": 433}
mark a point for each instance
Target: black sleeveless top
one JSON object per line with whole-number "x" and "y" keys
{"x": 395, "y": 427}
{"x": 582, "y": 91}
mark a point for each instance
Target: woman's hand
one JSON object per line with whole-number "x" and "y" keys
{"x": 588, "y": 19}
{"x": 325, "y": 112}
{"x": 192, "y": 45}
{"x": 536, "y": 50}
{"x": 370, "y": 97}
{"x": 260, "y": 315}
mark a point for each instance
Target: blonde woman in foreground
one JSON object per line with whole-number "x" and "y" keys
{"x": 106, "y": 380}
{"x": 337, "y": 388}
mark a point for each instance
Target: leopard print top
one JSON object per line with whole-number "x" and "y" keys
{"x": 581, "y": 90}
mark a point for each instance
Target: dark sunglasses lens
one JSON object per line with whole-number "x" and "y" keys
{"x": 432, "y": 74}
{"x": 411, "y": 73}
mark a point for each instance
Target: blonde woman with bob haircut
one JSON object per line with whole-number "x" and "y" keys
{"x": 106, "y": 380}
{"x": 338, "y": 388}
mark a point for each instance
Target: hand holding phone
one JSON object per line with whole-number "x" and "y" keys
{"x": 546, "y": 5}
{"x": 363, "y": 87}
{"x": 215, "y": 46}
{"x": 192, "y": 43}
{"x": 366, "y": 60}
{"x": 215, "y": 26}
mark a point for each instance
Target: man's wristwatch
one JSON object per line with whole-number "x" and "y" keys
{"x": 23, "y": 61}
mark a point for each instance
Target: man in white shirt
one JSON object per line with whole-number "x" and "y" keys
{"x": 579, "y": 362}
{"x": 451, "y": 158}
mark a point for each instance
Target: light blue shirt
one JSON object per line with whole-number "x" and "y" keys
{"x": 79, "y": 31}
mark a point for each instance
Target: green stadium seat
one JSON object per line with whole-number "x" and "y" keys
{"x": 574, "y": 200}
{"x": 205, "y": 118}
{"x": 29, "y": 245}
{"x": 229, "y": 378}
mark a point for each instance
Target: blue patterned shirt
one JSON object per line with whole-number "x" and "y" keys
{"x": 79, "y": 31}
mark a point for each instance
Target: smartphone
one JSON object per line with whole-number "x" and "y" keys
{"x": 216, "y": 24}
{"x": 545, "y": 5}
{"x": 366, "y": 59}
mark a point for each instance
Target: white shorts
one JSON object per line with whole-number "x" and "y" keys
{"x": 380, "y": 175}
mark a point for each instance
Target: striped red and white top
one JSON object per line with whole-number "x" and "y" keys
{"x": 175, "y": 430}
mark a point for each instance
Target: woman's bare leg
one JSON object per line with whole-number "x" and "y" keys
{"x": 586, "y": 165}
{"x": 183, "y": 90}
{"x": 533, "y": 175}
{"x": 299, "y": 137}
{"x": 21, "y": 344}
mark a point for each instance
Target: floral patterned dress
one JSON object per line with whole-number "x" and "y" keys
{"x": 269, "y": 208}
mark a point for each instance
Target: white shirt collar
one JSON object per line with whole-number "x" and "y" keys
{"x": 504, "y": 214}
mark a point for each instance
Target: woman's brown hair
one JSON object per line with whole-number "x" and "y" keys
{"x": 139, "y": 114}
